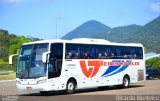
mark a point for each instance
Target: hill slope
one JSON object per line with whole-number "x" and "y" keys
{"x": 87, "y": 30}
{"x": 119, "y": 34}
{"x": 148, "y": 35}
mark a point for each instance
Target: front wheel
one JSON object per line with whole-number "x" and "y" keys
{"x": 71, "y": 85}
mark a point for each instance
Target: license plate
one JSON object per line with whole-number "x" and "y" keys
{"x": 29, "y": 88}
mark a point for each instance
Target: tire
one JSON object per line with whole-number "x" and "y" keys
{"x": 70, "y": 89}
{"x": 44, "y": 92}
{"x": 126, "y": 82}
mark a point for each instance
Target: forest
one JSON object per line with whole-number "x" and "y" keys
{"x": 10, "y": 44}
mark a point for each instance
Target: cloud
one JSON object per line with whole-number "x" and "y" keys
{"x": 15, "y": 1}
{"x": 155, "y": 7}
{"x": 22, "y": 1}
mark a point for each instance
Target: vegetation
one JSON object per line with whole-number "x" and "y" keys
{"x": 9, "y": 76}
{"x": 153, "y": 63}
{"x": 119, "y": 34}
{"x": 10, "y": 44}
{"x": 15, "y": 44}
{"x": 149, "y": 36}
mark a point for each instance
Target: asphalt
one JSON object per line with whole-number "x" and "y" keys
{"x": 147, "y": 88}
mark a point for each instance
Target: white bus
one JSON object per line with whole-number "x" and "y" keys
{"x": 52, "y": 65}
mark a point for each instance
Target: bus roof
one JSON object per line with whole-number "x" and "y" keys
{"x": 85, "y": 41}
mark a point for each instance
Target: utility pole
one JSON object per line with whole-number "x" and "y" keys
{"x": 57, "y": 18}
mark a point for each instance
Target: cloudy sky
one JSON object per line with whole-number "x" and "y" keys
{"x": 39, "y": 18}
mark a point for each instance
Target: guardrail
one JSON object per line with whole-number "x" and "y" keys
{"x": 7, "y": 72}
{"x": 6, "y": 68}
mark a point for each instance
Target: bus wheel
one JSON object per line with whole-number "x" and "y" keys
{"x": 126, "y": 82}
{"x": 44, "y": 92}
{"x": 71, "y": 85}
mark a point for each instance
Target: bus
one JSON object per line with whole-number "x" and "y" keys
{"x": 53, "y": 65}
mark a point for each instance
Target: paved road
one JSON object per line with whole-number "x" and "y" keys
{"x": 149, "y": 87}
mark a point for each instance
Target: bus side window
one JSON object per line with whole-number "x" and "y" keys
{"x": 75, "y": 55}
{"x": 101, "y": 52}
{"x": 71, "y": 51}
{"x": 68, "y": 55}
{"x": 111, "y": 54}
{"x": 134, "y": 56}
{"x": 93, "y": 53}
{"x": 99, "y": 55}
{"x": 104, "y": 55}
{"x": 118, "y": 53}
{"x": 107, "y": 53}
{"x": 86, "y": 52}
{"x": 138, "y": 53}
{"x": 84, "y": 55}
{"x": 126, "y": 53}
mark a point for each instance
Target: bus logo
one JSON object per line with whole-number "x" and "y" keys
{"x": 90, "y": 68}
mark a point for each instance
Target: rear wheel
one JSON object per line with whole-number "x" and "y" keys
{"x": 71, "y": 85}
{"x": 126, "y": 82}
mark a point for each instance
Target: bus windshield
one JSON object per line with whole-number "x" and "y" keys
{"x": 30, "y": 61}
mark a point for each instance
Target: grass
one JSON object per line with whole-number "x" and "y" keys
{"x": 9, "y": 76}
{"x": 6, "y": 67}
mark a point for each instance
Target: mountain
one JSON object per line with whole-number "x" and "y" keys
{"x": 87, "y": 30}
{"x": 119, "y": 34}
{"x": 148, "y": 35}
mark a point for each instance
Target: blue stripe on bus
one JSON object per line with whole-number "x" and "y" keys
{"x": 110, "y": 69}
{"x": 114, "y": 68}
{"x": 118, "y": 71}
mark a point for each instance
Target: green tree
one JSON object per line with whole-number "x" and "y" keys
{"x": 15, "y": 44}
{"x": 154, "y": 62}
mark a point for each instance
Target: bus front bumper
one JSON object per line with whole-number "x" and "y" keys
{"x": 32, "y": 88}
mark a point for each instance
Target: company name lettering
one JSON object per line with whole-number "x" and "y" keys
{"x": 116, "y": 63}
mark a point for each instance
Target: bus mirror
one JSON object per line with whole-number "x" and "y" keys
{"x": 11, "y": 58}
{"x": 44, "y": 56}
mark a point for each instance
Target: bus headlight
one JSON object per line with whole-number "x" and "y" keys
{"x": 41, "y": 81}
